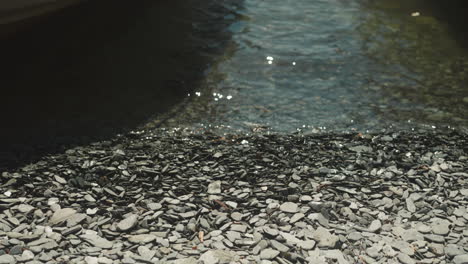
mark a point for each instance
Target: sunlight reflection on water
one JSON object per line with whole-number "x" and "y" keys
{"x": 333, "y": 65}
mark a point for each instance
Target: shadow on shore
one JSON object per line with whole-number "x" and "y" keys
{"x": 101, "y": 68}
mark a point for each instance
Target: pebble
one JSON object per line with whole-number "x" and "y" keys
{"x": 214, "y": 187}
{"x": 25, "y": 208}
{"x": 460, "y": 259}
{"x": 61, "y": 215}
{"x": 325, "y": 238}
{"x": 97, "y": 241}
{"x": 142, "y": 239}
{"x": 165, "y": 202}
{"x": 405, "y": 259}
{"x": 289, "y": 207}
{"x": 7, "y": 259}
{"x": 375, "y": 226}
{"x": 440, "y": 227}
{"x": 278, "y": 246}
{"x": 128, "y": 223}
{"x": 269, "y": 253}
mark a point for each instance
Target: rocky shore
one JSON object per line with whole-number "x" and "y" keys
{"x": 175, "y": 197}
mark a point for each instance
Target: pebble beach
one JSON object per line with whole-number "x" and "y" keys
{"x": 177, "y": 197}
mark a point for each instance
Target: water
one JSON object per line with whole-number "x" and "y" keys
{"x": 334, "y": 65}
{"x": 235, "y": 65}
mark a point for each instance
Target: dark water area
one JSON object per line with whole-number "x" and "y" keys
{"x": 106, "y": 67}
{"x": 103, "y": 68}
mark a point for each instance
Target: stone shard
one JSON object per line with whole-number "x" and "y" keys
{"x": 127, "y": 223}
{"x": 62, "y": 215}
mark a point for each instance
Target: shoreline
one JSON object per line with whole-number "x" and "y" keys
{"x": 173, "y": 197}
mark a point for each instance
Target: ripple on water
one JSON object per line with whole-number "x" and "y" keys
{"x": 340, "y": 65}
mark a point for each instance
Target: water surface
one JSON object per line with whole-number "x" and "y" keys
{"x": 335, "y": 65}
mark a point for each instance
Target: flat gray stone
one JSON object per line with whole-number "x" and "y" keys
{"x": 25, "y": 208}
{"x": 460, "y": 259}
{"x": 296, "y": 217}
{"x": 411, "y": 235}
{"x": 97, "y": 241}
{"x": 218, "y": 256}
{"x": 453, "y": 250}
{"x": 374, "y": 226}
{"x": 436, "y": 248}
{"x": 403, "y": 247}
{"x": 423, "y": 228}
{"x": 75, "y": 219}
{"x": 233, "y": 235}
{"x": 16, "y": 250}
{"x": 236, "y": 216}
{"x": 289, "y": 207}
{"x": 214, "y": 187}
{"x": 440, "y": 227}
{"x": 306, "y": 244}
{"x": 278, "y": 246}
{"x": 319, "y": 218}
{"x": 435, "y": 238}
{"x": 388, "y": 251}
{"x": 270, "y": 231}
{"x": 239, "y": 228}
{"x": 27, "y": 255}
{"x": 259, "y": 247}
{"x": 154, "y": 206}
{"x": 61, "y": 215}
{"x": 91, "y": 260}
{"x": 325, "y": 238}
{"x": 89, "y": 198}
{"x": 336, "y": 255}
{"x": 190, "y": 260}
{"x": 269, "y": 253}
{"x": 145, "y": 252}
{"x": 405, "y": 259}
{"x": 189, "y": 214}
{"x": 142, "y": 238}
{"x": 128, "y": 223}
{"x": 410, "y": 205}
{"x": 7, "y": 259}
{"x": 373, "y": 251}
{"x": 354, "y": 236}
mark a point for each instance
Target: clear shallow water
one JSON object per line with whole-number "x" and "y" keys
{"x": 331, "y": 64}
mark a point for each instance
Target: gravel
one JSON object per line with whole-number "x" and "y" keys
{"x": 180, "y": 197}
